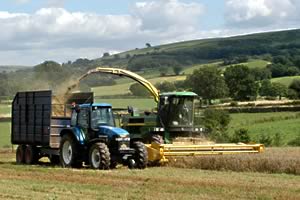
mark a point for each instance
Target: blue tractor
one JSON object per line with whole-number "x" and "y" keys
{"x": 88, "y": 135}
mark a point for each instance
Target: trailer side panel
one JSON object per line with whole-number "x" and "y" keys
{"x": 31, "y": 118}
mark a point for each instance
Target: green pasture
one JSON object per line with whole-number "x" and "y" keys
{"x": 287, "y": 124}
{"x": 142, "y": 104}
{"x": 285, "y": 80}
{"x": 121, "y": 89}
{"x": 5, "y": 135}
{"x": 5, "y": 109}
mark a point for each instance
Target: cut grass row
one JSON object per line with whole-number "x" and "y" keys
{"x": 273, "y": 160}
{"x": 47, "y": 182}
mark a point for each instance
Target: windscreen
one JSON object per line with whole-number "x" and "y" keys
{"x": 102, "y": 116}
{"x": 181, "y": 111}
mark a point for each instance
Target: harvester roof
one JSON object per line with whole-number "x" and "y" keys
{"x": 190, "y": 94}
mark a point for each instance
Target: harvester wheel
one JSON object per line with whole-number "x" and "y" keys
{"x": 141, "y": 155}
{"x": 157, "y": 139}
{"x": 31, "y": 155}
{"x": 68, "y": 152}
{"x": 99, "y": 156}
{"x": 20, "y": 154}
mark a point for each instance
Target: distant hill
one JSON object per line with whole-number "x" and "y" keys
{"x": 12, "y": 68}
{"x": 206, "y": 50}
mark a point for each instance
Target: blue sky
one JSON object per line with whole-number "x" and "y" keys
{"x": 63, "y": 30}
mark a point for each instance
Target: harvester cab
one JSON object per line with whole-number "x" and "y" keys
{"x": 176, "y": 114}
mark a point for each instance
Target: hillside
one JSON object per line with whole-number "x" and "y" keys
{"x": 194, "y": 52}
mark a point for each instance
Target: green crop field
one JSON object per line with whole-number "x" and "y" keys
{"x": 142, "y": 104}
{"x": 120, "y": 89}
{"x": 285, "y": 80}
{"x": 4, "y": 134}
{"x": 47, "y": 182}
{"x": 287, "y": 124}
{"x": 250, "y": 64}
{"x": 5, "y": 109}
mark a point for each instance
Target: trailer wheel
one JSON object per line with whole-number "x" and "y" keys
{"x": 31, "y": 155}
{"x": 20, "y": 154}
{"x": 141, "y": 155}
{"x": 99, "y": 156}
{"x": 68, "y": 152}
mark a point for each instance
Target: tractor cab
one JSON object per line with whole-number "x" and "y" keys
{"x": 93, "y": 116}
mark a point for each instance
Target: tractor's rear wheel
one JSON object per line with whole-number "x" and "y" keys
{"x": 99, "y": 156}
{"x": 31, "y": 155}
{"x": 140, "y": 156}
{"x": 68, "y": 152}
{"x": 20, "y": 154}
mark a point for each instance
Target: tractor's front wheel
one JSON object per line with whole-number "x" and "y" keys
{"x": 140, "y": 156}
{"x": 99, "y": 156}
{"x": 68, "y": 152}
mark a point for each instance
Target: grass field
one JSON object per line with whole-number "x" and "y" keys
{"x": 285, "y": 80}
{"x": 250, "y": 64}
{"x": 4, "y": 134}
{"x": 47, "y": 182}
{"x": 5, "y": 109}
{"x": 142, "y": 104}
{"x": 287, "y": 124}
{"x": 123, "y": 88}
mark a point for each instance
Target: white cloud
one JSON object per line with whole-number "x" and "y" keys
{"x": 262, "y": 13}
{"x": 162, "y": 14}
{"x": 51, "y": 31}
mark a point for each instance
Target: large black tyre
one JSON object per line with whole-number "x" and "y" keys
{"x": 31, "y": 155}
{"x": 141, "y": 155}
{"x": 99, "y": 156}
{"x": 157, "y": 139}
{"x": 68, "y": 149}
{"x": 20, "y": 154}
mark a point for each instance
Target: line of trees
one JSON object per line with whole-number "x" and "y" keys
{"x": 237, "y": 82}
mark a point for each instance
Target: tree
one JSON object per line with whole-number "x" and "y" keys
{"x": 165, "y": 86}
{"x": 295, "y": 86}
{"x": 279, "y": 90}
{"x": 138, "y": 90}
{"x": 208, "y": 83}
{"x": 177, "y": 69}
{"x": 106, "y": 54}
{"x": 265, "y": 88}
{"x": 163, "y": 71}
{"x": 241, "y": 82}
{"x": 148, "y": 45}
{"x": 261, "y": 73}
{"x": 216, "y": 123}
